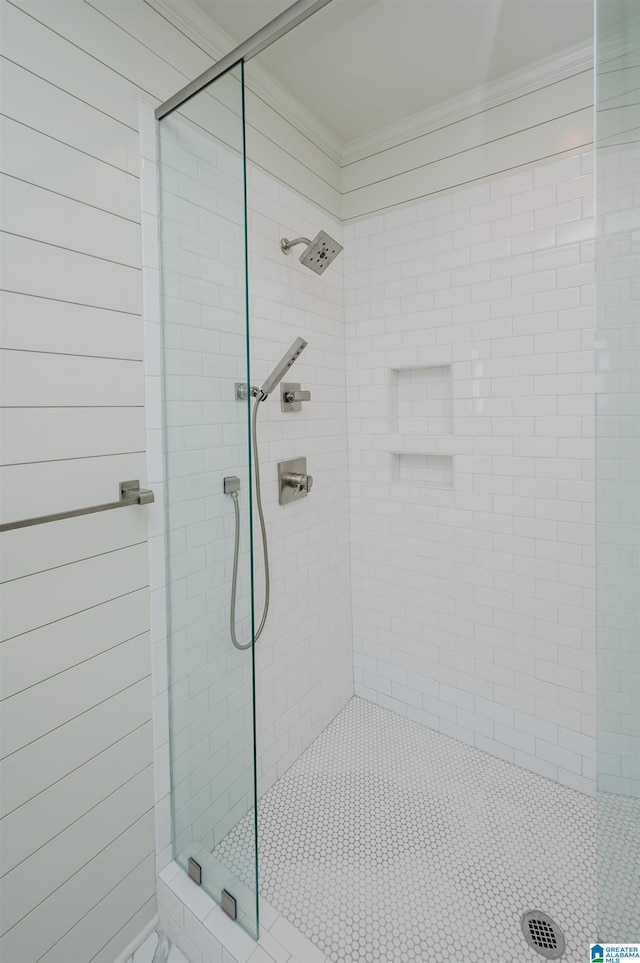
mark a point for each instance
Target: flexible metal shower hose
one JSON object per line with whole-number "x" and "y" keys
{"x": 236, "y": 550}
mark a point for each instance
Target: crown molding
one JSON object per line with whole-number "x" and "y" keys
{"x": 517, "y": 84}
{"x": 194, "y": 23}
{"x": 191, "y": 20}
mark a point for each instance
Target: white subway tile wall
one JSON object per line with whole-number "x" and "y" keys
{"x": 304, "y": 669}
{"x": 420, "y": 399}
{"x": 473, "y": 598}
{"x": 618, "y": 470}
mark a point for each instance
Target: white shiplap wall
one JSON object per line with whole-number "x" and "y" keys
{"x": 521, "y": 119}
{"x": 78, "y": 853}
{"x": 78, "y": 858}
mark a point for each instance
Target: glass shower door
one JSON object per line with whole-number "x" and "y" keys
{"x": 618, "y": 467}
{"x": 206, "y": 439}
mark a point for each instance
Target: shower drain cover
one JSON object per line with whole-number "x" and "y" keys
{"x": 543, "y": 934}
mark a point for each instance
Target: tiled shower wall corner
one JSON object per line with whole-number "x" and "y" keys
{"x": 618, "y": 467}
{"x": 304, "y": 669}
{"x": 474, "y": 607}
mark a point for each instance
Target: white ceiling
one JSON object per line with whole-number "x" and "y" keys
{"x": 361, "y": 65}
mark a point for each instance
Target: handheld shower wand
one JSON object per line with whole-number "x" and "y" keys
{"x": 282, "y": 367}
{"x": 260, "y": 394}
{"x": 276, "y": 376}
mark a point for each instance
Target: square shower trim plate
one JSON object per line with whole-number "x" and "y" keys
{"x": 286, "y": 491}
{"x": 291, "y": 406}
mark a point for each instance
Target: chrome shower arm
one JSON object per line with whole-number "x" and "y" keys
{"x": 285, "y": 245}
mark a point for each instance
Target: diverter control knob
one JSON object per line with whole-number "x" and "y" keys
{"x": 298, "y": 480}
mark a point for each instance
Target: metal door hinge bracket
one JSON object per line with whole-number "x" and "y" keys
{"x": 195, "y": 871}
{"x": 228, "y": 904}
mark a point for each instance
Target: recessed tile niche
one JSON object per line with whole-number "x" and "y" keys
{"x": 420, "y": 400}
{"x": 422, "y": 470}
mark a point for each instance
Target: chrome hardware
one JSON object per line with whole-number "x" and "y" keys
{"x": 291, "y": 397}
{"x": 231, "y": 484}
{"x": 318, "y": 254}
{"x": 276, "y": 376}
{"x": 293, "y": 15}
{"x": 283, "y": 366}
{"x": 298, "y": 481}
{"x": 130, "y": 494}
{"x": 286, "y": 245}
{"x": 293, "y": 480}
{"x": 242, "y": 391}
{"x": 228, "y": 904}
{"x": 195, "y": 871}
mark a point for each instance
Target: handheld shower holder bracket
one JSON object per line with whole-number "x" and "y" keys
{"x": 242, "y": 392}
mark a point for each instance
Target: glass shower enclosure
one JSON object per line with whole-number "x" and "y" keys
{"x": 202, "y": 201}
{"x": 617, "y": 67}
{"x": 202, "y": 156}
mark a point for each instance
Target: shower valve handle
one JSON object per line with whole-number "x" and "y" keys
{"x": 299, "y": 481}
{"x": 291, "y": 396}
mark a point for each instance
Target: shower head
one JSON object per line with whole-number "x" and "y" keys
{"x": 319, "y": 253}
{"x": 282, "y": 367}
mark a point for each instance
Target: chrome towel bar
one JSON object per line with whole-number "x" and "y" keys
{"x": 130, "y": 494}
